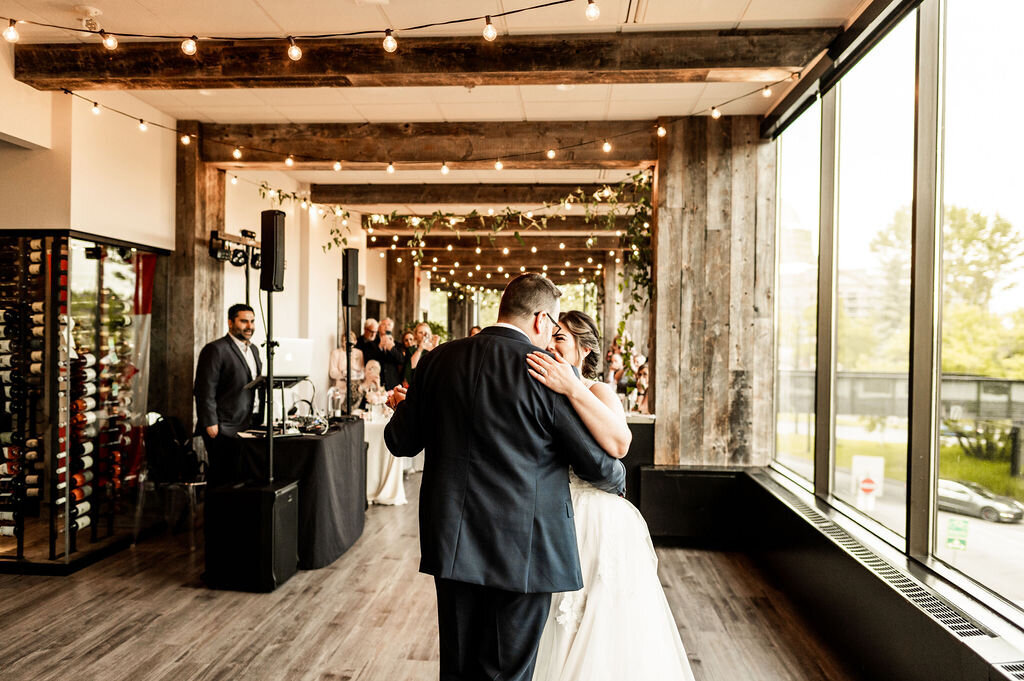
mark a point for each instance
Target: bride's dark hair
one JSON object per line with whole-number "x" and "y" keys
{"x": 584, "y": 331}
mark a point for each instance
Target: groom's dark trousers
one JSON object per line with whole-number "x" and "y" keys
{"x": 486, "y": 633}
{"x": 496, "y": 519}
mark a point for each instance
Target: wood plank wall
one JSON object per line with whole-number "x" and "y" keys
{"x": 191, "y": 306}
{"x": 712, "y": 311}
{"x": 402, "y": 291}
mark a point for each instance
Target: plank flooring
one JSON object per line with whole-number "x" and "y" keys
{"x": 144, "y": 615}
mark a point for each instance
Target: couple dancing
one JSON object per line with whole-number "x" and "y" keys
{"x": 501, "y": 515}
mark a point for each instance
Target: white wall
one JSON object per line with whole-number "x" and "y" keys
{"x": 122, "y": 179}
{"x": 376, "y": 269}
{"x": 25, "y": 113}
{"x": 36, "y": 184}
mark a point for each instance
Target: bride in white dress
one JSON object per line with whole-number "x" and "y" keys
{"x": 619, "y": 626}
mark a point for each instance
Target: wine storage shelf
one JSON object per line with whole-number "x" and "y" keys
{"x": 73, "y": 382}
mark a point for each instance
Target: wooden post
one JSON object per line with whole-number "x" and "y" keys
{"x": 402, "y": 291}
{"x": 714, "y": 240}
{"x": 610, "y": 306}
{"x": 458, "y": 317}
{"x": 189, "y": 299}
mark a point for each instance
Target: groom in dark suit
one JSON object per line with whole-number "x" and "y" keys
{"x": 496, "y": 518}
{"x": 223, "y": 405}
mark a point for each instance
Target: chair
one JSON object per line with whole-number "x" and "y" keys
{"x": 171, "y": 463}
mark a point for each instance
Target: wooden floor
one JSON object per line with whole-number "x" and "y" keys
{"x": 143, "y": 615}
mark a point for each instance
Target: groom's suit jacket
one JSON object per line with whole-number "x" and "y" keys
{"x": 494, "y": 502}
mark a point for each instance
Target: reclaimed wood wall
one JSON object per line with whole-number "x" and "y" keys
{"x": 188, "y": 300}
{"x": 712, "y": 311}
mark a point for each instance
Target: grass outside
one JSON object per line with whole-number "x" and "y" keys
{"x": 953, "y": 463}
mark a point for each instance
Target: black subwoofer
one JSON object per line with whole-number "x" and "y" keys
{"x": 252, "y": 536}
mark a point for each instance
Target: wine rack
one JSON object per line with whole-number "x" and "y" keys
{"x": 73, "y": 388}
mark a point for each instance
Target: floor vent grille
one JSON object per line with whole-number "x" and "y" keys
{"x": 1012, "y": 670}
{"x": 938, "y": 609}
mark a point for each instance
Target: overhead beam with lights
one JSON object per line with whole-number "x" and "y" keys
{"x": 536, "y": 239}
{"x": 481, "y": 226}
{"x": 351, "y": 195}
{"x": 755, "y": 55}
{"x": 517, "y": 144}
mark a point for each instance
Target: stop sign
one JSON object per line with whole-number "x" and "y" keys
{"x": 867, "y": 485}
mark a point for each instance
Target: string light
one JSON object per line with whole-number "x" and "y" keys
{"x": 96, "y": 108}
{"x": 394, "y": 238}
{"x": 716, "y": 112}
{"x": 142, "y": 125}
{"x": 562, "y": 272}
{"x": 109, "y": 41}
{"x": 504, "y": 251}
{"x": 551, "y": 153}
{"x": 522, "y": 268}
{"x": 444, "y": 167}
{"x": 533, "y": 249}
{"x": 294, "y": 51}
{"x": 766, "y": 92}
{"x": 11, "y": 34}
{"x": 391, "y": 168}
{"x": 611, "y": 254}
{"x": 186, "y": 140}
{"x": 449, "y": 247}
{"x": 237, "y": 153}
{"x": 189, "y": 45}
{"x": 498, "y": 165}
{"x": 234, "y": 179}
{"x": 290, "y": 161}
{"x": 593, "y": 11}
{"x": 662, "y": 131}
{"x": 506, "y": 275}
{"x": 390, "y": 44}
{"x": 501, "y": 269}
{"x": 606, "y": 147}
{"x": 561, "y": 246}
{"x": 490, "y": 211}
{"x": 490, "y": 33}
{"x": 478, "y": 268}
{"x": 337, "y": 166}
{"x": 338, "y": 211}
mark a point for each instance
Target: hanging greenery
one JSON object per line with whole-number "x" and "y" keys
{"x": 625, "y": 209}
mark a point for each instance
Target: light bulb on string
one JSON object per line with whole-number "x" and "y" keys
{"x": 606, "y": 147}
{"x": 234, "y": 179}
{"x": 290, "y": 161}
{"x": 96, "y": 108}
{"x": 186, "y": 140}
{"x": 391, "y": 168}
{"x": 506, "y": 275}
{"x": 501, "y": 268}
{"x": 716, "y": 112}
{"x": 390, "y": 44}
{"x": 142, "y": 126}
{"x": 766, "y": 91}
{"x": 498, "y": 165}
{"x": 562, "y": 272}
{"x": 478, "y": 250}
{"x": 551, "y": 153}
{"x": 533, "y": 249}
{"x": 294, "y": 51}
{"x": 490, "y": 211}
{"x": 593, "y": 11}
{"x": 662, "y": 131}
{"x": 11, "y": 34}
{"x": 490, "y": 33}
{"x": 504, "y": 251}
{"x": 529, "y": 214}
{"x": 444, "y": 168}
{"x": 237, "y": 153}
{"x": 611, "y": 254}
{"x": 337, "y": 166}
{"x": 189, "y": 45}
{"x": 522, "y": 268}
{"x": 109, "y": 41}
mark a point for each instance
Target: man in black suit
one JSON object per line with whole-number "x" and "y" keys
{"x": 496, "y": 518}
{"x": 390, "y": 354}
{"x": 223, "y": 404}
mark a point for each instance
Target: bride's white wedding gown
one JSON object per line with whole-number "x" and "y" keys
{"x": 619, "y": 626}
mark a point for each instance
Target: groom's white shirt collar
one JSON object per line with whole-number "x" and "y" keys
{"x": 506, "y": 325}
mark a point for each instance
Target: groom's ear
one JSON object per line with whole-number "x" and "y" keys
{"x": 537, "y": 322}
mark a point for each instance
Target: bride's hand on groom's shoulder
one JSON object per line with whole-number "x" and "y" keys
{"x": 555, "y": 373}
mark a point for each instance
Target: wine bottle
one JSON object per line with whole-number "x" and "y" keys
{"x": 9, "y": 438}
{"x": 82, "y": 448}
{"x": 7, "y": 361}
{"x": 82, "y": 463}
{"x": 9, "y": 468}
{"x": 35, "y": 256}
{"x": 10, "y": 516}
{"x": 84, "y": 404}
{"x": 38, "y": 306}
{"x": 85, "y": 359}
{"x": 80, "y": 493}
{"x": 10, "y": 530}
{"x": 84, "y": 418}
{"x": 77, "y": 524}
{"x": 10, "y": 315}
{"x": 19, "y": 345}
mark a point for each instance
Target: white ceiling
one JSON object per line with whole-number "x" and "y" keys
{"x": 283, "y": 17}
{"x": 424, "y": 104}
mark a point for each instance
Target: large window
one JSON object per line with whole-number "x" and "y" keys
{"x": 872, "y": 353}
{"x": 978, "y": 527}
{"x": 796, "y": 317}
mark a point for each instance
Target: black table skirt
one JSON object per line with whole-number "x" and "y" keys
{"x": 331, "y": 470}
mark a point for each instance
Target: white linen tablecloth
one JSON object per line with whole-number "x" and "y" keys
{"x": 384, "y": 482}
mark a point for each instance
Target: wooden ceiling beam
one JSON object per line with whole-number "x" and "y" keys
{"x": 533, "y": 239}
{"x": 556, "y": 260}
{"x": 750, "y": 55}
{"x": 444, "y": 194}
{"x": 361, "y": 146}
{"x": 481, "y": 225}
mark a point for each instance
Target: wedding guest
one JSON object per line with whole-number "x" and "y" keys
{"x": 616, "y": 373}
{"x": 369, "y": 383}
{"x": 389, "y": 354}
{"x": 337, "y": 364}
{"x": 473, "y": 330}
{"x": 408, "y": 339}
{"x": 643, "y": 375}
{"x": 413, "y": 354}
{"x": 368, "y": 338}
